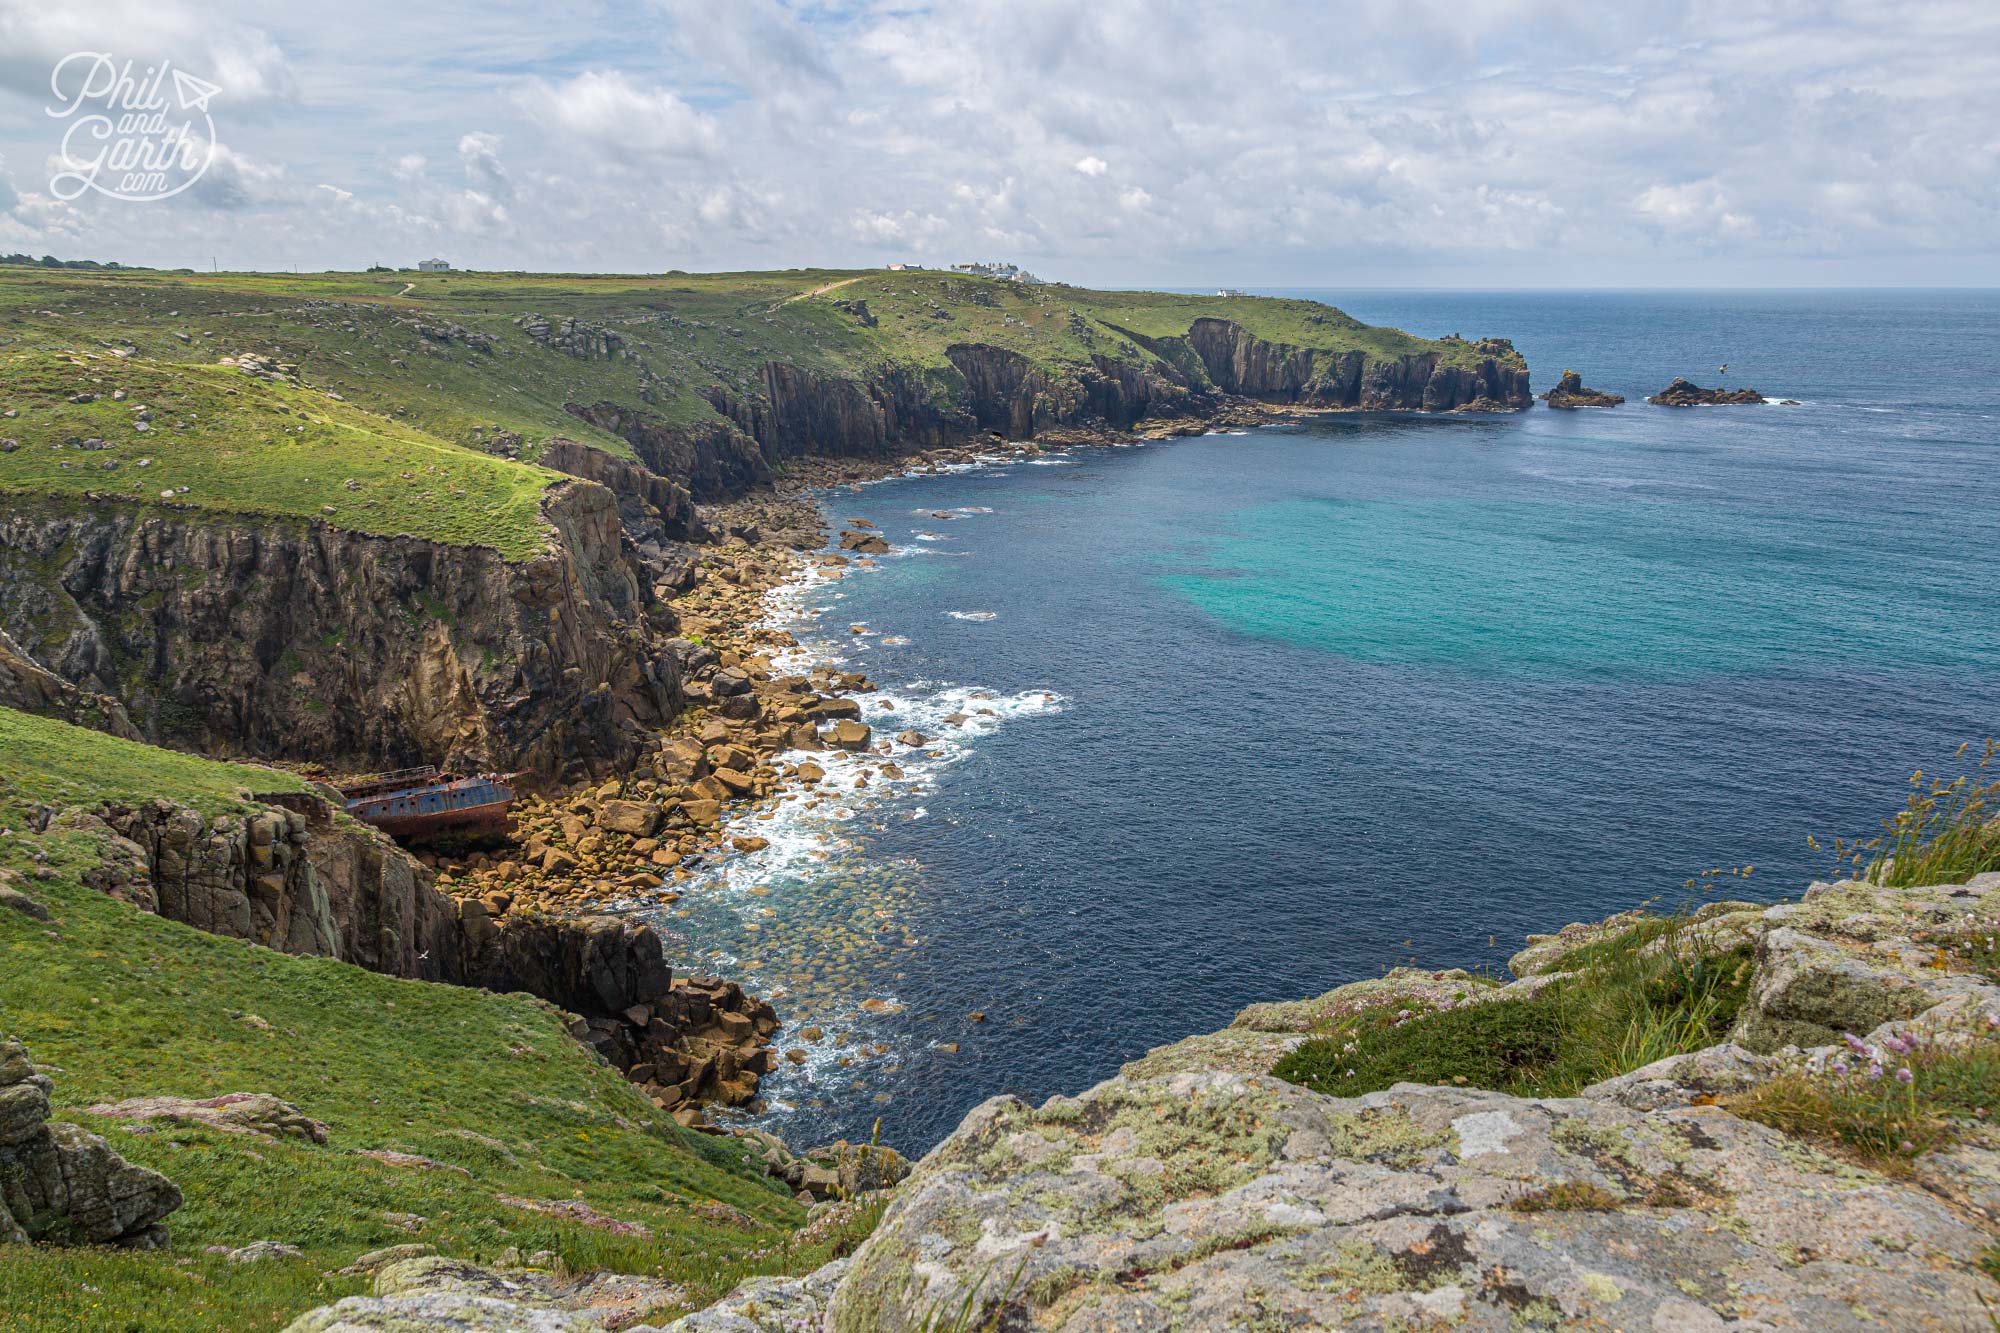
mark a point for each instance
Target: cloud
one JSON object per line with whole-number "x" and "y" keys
{"x": 1149, "y": 141}
{"x": 618, "y": 118}
{"x": 479, "y": 155}
{"x": 241, "y": 57}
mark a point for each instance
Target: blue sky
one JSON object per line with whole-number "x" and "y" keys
{"x": 1376, "y": 142}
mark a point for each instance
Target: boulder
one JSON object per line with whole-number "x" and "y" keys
{"x": 255, "y": 1113}
{"x": 636, "y": 819}
{"x": 62, "y": 1185}
{"x": 849, "y": 735}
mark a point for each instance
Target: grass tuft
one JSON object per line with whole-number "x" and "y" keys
{"x": 1888, "y": 1103}
{"x": 1651, "y": 993}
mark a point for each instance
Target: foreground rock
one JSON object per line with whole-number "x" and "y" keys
{"x": 1569, "y": 394}
{"x": 1196, "y": 1192}
{"x": 1682, "y": 393}
{"x": 63, "y": 1186}
{"x": 433, "y": 1293}
{"x": 1215, "y": 1200}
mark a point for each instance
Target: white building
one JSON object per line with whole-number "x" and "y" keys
{"x": 433, "y": 266}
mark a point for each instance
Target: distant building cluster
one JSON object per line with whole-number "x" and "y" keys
{"x": 1229, "y": 291}
{"x": 904, "y": 268}
{"x": 1004, "y": 272}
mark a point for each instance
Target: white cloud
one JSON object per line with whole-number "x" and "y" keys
{"x": 1524, "y": 140}
{"x": 612, "y": 115}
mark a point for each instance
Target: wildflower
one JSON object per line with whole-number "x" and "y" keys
{"x": 1899, "y": 1044}
{"x": 1854, "y": 1043}
{"x": 1904, "y": 1075}
{"x": 1839, "y": 1066}
{"x": 1875, "y": 1070}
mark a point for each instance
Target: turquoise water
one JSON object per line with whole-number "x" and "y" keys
{"x": 1252, "y": 715}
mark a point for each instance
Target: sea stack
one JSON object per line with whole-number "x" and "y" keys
{"x": 1569, "y": 394}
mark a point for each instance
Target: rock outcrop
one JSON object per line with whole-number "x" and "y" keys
{"x": 1237, "y": 362}
{"x": 301, "y": 640}
{"x": 1683, "y": 393}
{"x": 60, "y": 1185}
{"x": 300, "y": 879}
{"x": 435, "y": 1293}
{"x": 1195, "y": 1191}
{"x": 30, "y": 687}
{"x": 1569, "y": 394}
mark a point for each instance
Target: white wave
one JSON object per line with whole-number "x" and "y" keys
{"x": 974, "y": 615}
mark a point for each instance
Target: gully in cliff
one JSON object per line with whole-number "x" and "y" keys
{"x": 422, "y": 802}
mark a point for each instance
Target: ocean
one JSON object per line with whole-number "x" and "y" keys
{"x": 1251, "y": 715}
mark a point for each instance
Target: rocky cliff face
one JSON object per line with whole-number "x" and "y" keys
{"x": 293, "y": 876}
{"x": 1240, "y": 363}
{"x": 303, "y": 641}
{"x": 30, "y": 687}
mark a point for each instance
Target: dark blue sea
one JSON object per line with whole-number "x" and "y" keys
{"x": 1251, "y": 715}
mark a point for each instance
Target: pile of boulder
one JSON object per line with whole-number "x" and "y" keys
{"x": 705, "y": 1040}
{"x": 574, "y": 337}
{"x": 62, "y": 1185}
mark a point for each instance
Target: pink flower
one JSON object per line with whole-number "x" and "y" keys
{"x": 1904, "y": 1075}
{"x": 1875, "y": 1069}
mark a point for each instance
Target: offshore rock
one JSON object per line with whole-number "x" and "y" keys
{"x": 1569, "y": 394}
{"x": 1683, "y": 393}
{"x": 62, "y": 1186}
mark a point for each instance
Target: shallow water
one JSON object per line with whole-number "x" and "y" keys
{"x": 1255, "y": 714}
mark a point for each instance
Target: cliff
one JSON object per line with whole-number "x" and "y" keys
{"x": 309, "y": 642}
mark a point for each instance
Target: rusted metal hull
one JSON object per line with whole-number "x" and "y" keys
{"x": 425, "y": 803}
{"x": 477, "y": 819}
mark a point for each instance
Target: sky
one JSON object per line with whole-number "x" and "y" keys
{"x": 1450, "y": 143}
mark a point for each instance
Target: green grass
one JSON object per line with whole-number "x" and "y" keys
{"x": 117, "y": 1004}
{"x": 43, "y": 761}
{"x": 1635, "y": 1005}
{"x": 240, "y": 445}
{"x": 1946, "y": 832}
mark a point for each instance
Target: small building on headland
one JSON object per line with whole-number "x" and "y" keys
{"x": 903, "y": 268}
{"x": 433, "y": 266}
{"x": 1005, "y": 272}
{"x": 1229, "y": 291}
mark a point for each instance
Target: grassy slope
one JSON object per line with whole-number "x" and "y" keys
{"x": 692, "y": 331}
{"x": 245, "y": 445}
{"x": 123, "y": 1004}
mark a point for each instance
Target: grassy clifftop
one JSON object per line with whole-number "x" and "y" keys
{"x": 444, "y": 353}
{"x": 506, "y": 1109}
{"x": 212, "y": 438}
